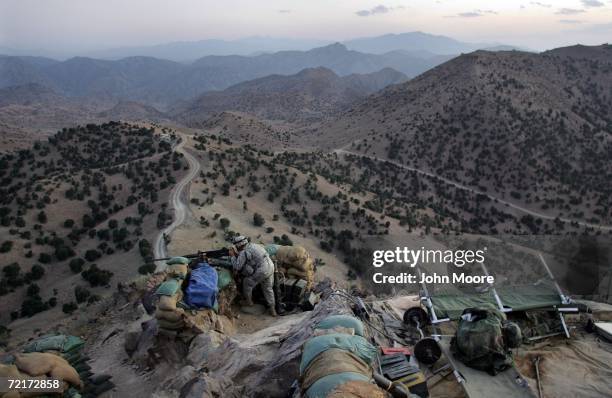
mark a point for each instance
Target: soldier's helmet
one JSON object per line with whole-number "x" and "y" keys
{"x": 240, "y": 241}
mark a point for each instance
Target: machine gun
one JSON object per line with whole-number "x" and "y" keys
{"x": 213, "y": 254}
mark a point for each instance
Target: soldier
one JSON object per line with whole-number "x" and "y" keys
{"x": 254, "y": 263}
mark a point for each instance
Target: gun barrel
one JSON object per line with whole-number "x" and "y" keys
{"x": 218, "y": 253}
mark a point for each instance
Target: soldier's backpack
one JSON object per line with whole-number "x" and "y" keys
{"x": 480, "y": 340}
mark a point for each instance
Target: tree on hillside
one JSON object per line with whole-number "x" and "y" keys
{"x": 225, "y": 223}
{"x": 258, "y": 220}
{"x": 42, "y": 217}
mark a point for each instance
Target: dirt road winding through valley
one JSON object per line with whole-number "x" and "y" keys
{"x": 176, "y": 201}
{"x": 478, "y": 192}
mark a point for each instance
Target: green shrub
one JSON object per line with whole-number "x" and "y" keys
{"x": 6, "y": 246}
{"x": 45, "y": 258}
{"x": 37, "y": 272}
{"x": 96, "y": 276}
{"x": 145, "y": 269}
{"x": 69, "y": 308}
{"x": 258, "y": 220}
{"x": 81, "y": 294}
{"x": 92, "y": 255}
{"x": 76, "y": 265}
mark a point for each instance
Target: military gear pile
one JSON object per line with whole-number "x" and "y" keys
{"x": 293, "y": 262}
{"x": 480, "y": 340}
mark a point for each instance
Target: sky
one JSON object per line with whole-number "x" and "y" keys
{"x": 80, "y": 26}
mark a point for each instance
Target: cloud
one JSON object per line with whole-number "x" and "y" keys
{"x": 473, "y": 14}
{"x": 569, "y": 11}
{"x": 284, "y": 11}
{"x": 537, "y": 3}
{"x": 570, "y": 21}
{"x": 379, "y": 9}
{"x": 592, "y": 3}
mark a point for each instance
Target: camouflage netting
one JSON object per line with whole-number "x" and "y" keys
{"x": 266, "y": 361}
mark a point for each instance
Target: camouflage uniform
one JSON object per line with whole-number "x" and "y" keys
{"x": 257, "y": 267}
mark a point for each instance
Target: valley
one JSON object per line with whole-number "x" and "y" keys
{"x": 339, "y": 151}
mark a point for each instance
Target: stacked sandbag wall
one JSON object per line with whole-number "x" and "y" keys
{"x": 337, "y": 361}
{"x": 170, "y": 318}
{"x": 170, "y": 315}
{"x": 293, "y": 262}
{"x": 59, "y": 356}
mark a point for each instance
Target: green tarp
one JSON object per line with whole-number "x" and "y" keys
{"x": 272, "y": 249}
{"x": 178, "y": 260}
{"x": 168, "y": 288}
{"x": 450, "y": 304}
{"x": 224, "y": 278}
{"x": 355, "y": 344}
{"x": 62, "y": 343}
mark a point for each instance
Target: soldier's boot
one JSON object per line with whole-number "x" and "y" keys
{"x": 246, "y": 303}
{"x": 272, "y": 312}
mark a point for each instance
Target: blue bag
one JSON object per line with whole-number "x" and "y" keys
{"x": 201, "y": 292}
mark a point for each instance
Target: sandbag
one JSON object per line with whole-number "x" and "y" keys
{"x": 325, "y": 385}
{"x": 177, "y": 260}
{"x": 337, "y": 329}
{"x": 346, "y": 321}
{"x": 61, "y": 343}
{"x": 171, "y": 316}
{"x": 307, "y": 275}
{"x": 170, "y": 325}
{"x": 9, "y": 371}
{"x": 355, "y": 344}
{"x": 168, "y": 303}
{"x": 224, "y": 278}
{"x": 271, "y": 249}
{"x": 295, "y": 256}
{"x": 168, "y": 287}
{"x": 331, "y": 362}
{"x": 357, "y": 389}
{"x": 66, "y": 373}
{"x": 38, "y": 363}
{"x": 177, "y": 271}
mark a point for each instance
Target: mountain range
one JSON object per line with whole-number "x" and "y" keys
{"x": 418, "y": 43}
{"x": 306, "y": 96}
{"x": 534, "y": 128}
{"x": 160, "y": 82}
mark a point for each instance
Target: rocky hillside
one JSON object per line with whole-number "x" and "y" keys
{"x": 534, "y": 129}
{"x": 307, "y": 96}
{"x": 34, "y": 111}
{"x": 75, "y": 210}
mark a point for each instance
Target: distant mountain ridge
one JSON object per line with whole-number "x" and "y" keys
{"x": 307, "y": 96}
{"x": 414, "y": 42}
{"x": 188, "y": 51}
{"x": 159, "y": 82}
